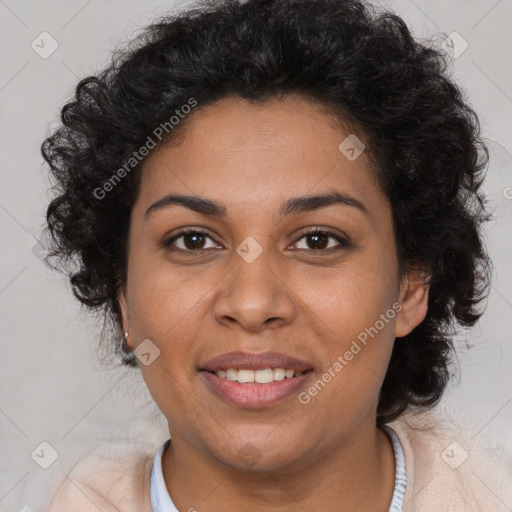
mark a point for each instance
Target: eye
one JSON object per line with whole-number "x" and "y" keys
{"x": 196, "y": 240}
{"x": 190, "y": 239}
{"x": 318, "y": 240}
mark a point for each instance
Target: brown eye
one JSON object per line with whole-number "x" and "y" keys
{"x": 193, "y": 241}
{"x": 318, "y": 240}
{"x": 189, "y": 241}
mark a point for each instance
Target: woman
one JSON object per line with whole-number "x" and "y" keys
{"x": 278, "y": 203}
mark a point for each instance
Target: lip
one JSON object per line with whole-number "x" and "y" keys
{"x": 255, "y": 361}
{"x": 254, "y": 395}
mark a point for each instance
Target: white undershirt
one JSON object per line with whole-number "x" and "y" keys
{"x": 161, "y": 500}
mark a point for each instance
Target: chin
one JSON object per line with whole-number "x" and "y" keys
{"x": 263, "y": 456}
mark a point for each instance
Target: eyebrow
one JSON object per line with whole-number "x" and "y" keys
{"x": 291, "y": 206}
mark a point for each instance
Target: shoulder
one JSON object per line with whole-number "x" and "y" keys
{"x": 447, "y": 464}
{"x": 109, "y": 480}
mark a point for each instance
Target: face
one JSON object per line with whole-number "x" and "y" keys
{"x": 261, "y": 271}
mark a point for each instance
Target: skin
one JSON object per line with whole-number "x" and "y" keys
{"x": 294, "y": 298}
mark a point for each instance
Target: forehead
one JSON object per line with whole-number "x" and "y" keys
{"x": 254, "y": 154}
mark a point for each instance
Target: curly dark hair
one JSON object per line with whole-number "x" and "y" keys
{"x": 363, "y": 65}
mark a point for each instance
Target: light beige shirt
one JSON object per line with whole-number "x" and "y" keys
{"x": 447, "y": 470}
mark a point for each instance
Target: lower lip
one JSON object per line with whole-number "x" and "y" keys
{"x": 253, "y": 396}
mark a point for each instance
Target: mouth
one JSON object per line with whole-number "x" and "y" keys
{"x": 254, "y": 381}
{"x": 258, "y": 376}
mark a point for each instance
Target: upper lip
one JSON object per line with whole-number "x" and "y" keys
{"x": 255, "y": 361}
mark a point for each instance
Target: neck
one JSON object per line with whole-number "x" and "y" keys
{"x": 357, "y": 474}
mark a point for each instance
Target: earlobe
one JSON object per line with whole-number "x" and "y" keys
{"x": 123, "y": 306}
{"x": 126, "y": 350}
{"x": 414, "y": 300}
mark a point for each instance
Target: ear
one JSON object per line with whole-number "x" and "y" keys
{"x": 414, "y": 290}
{"x": 123, "y": 306}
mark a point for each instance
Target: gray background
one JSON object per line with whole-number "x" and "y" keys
{"x": 53, "y": 386}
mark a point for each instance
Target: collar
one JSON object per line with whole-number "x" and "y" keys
{"x": 160, "y": 499}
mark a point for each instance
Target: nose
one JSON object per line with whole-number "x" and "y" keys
{"x": 254, "y": 296}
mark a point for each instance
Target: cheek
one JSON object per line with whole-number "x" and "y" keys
{"x": 352, "y": 297}
{"x": 166, "y": 306}
{"x": 354, "y": 317}
{"x": 165, "y": 298}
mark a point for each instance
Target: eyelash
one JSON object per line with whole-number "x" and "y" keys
{"x": 343, "y": 243}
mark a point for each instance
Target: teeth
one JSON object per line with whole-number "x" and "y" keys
{"x": 279, "y": 373}
{"x": 245, "y": 375}
{"x": 231, "y": 374}
{"x": 263, "y": 376}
